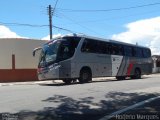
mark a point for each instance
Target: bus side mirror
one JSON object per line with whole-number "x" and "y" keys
{"x": 35, "y": 50}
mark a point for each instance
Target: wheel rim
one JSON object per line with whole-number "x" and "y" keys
{"x": 85, "y": 76}
{"x": 137, "y": 74}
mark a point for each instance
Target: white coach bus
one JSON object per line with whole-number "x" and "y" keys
{"x": 83, "y": 57}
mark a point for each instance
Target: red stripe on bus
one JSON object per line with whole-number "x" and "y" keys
{"x": 130, "y": 67}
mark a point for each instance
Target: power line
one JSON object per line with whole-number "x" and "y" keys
{"x": 107, "y": 10}
{"x": 55, "y": 6}
{"x": 79, "y": 24}
{"x": 37, "y": 26}
{"x": 116, "y": 17}
{"x": 63, "y": 29}
{"x": 22, "y": 24}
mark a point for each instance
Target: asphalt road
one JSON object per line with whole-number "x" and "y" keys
{"x": 90, "y": 101}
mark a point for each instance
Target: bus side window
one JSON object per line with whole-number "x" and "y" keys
{"x": 134, "y": 52}
{"x": 113, "y": 49}
{"x": 146, "y": 53}
{"x": 85, "y": 47}
{"x": 117, "y": 49}
{"x": 149, "y": 53}
{"x": 137, "y": 52}
{"x": 128, "y": 51}
{"x": 121, "y": 50}
{"x": 103, "y": 48}
{"x": 89, "y": 46}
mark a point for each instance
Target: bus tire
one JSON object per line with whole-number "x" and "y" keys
{"x": 137, "y": 74}
{"x": 85, "y": 75}
{"x": 67, "y": 81}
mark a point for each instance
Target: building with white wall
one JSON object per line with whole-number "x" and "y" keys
{"x": 156, "y": 63}
{"x": 16, "y": 60}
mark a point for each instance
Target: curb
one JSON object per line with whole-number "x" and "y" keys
{"x": 27, "y": 83}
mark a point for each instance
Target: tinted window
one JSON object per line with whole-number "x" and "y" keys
{"x": 146, "y": 53}
{"x": 67, "y": 48}
{"x": 73, "y": 41}
{"x": 140, "y": 53}
{"x": 103, "y": 47}
{"x": 116, "y": 49}
{"x": 137, "y": 52}
{"x": 89, "y": 45}
{"x": 128, "y": 51}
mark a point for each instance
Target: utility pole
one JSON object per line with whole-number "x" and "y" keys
{"x": 50, "y": 13}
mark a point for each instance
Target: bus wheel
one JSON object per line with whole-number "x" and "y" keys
{"x": 85, "y": 76}
{"x": 137, "y": 74}
{"x": 67, "y": 81}
{"x": 120, "y": 77}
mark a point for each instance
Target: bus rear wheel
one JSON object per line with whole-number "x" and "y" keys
{"x": 67, "y": 81}
{"x": 137, "y": 74}
{"x": 120, "y": 77}
{"x": 85, "y": 76}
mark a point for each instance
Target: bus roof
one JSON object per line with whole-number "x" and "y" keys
{"x": 100, "y": 39}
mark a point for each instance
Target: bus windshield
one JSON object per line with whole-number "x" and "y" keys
{"x": 58, "y": 50}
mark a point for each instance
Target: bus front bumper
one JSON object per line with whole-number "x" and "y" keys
{"x": 50, "y": 73}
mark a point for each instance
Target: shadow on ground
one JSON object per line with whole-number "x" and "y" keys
{"x": 83, "y": 108}
{"x": 94, "y": 81}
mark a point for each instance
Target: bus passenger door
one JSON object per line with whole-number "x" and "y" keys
{"x": 116, "y": 63}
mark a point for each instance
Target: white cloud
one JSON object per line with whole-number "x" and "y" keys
{"x": 144, "y": 32}
{"x": 5, "y": 32}
{"x": 53, "y": 36}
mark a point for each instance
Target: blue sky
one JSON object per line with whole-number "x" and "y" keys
{"x": 105, "y": 24}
